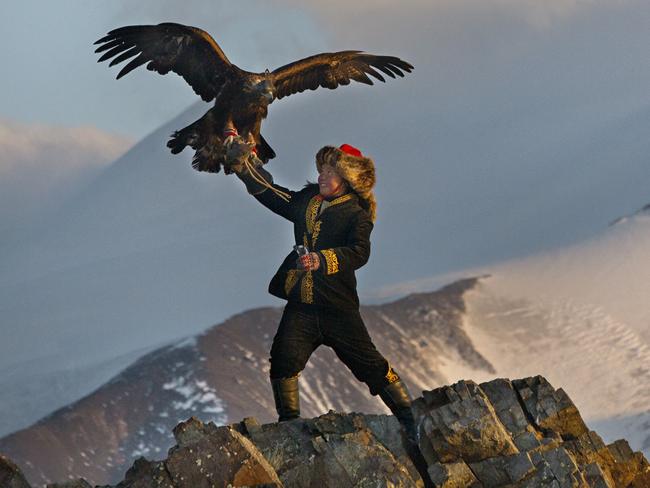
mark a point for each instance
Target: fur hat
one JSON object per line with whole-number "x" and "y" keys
{"x": 357, "y": 170}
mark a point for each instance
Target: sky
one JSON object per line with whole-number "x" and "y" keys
{"x": 545, "y": 92}
{"x": 524, "y": 74}
{"x": 53, "y": 77}
{"x": 523, "y": 128}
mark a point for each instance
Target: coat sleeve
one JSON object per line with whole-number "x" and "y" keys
{"x": 356, "y": 251}
{"x": 274, "y": 197}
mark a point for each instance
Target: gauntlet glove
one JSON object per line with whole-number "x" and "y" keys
{"x": 240, "y": 158}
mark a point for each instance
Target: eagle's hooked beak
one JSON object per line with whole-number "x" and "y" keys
{"x": 267, "y": 89}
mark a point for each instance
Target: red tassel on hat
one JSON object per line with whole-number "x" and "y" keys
{"x": 346, "y": 148}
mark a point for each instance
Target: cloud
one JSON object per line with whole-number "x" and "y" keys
{"x": 544, "y": 14}
{"x": 39, "y": 147}
{"x": 41, "y": 164}
{"x": 538, "y": 13}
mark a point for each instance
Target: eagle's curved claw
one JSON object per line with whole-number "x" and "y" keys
{"x": 228, "y": 142}
{"x": 229, "y": 135}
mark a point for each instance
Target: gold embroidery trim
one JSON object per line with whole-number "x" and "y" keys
{"x": 314, "y": 205}
{"x": 312, "y": 212}
{"x": 307, "y": 288}
{"x": 341, "y": 199}
{"x": 391, "y": 376}
{"x": 290, "y": 282}
{"x": 331, "y": 260}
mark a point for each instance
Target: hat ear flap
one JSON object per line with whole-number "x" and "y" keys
{"x": 368, "y": 203}
{"x": 358, "y": 172}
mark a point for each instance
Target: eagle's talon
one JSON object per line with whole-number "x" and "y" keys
{"x": 228, "y": 142}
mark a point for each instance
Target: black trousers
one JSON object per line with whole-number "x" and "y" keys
{"x": 304, "y": 327}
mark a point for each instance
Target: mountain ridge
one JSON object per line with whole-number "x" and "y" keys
{"x": 223, "y": 374}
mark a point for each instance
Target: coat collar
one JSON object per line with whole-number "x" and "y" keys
{"x": 311, "y": 215}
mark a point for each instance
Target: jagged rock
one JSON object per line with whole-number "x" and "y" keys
{"x": 504, "y": 399}
{"x": 10, "y": 475}
{"x": 549, "y": 408}
{"x": 519, "y": 434}
{"x": 336, "y": 450}
{"x": 631, "y": 469}
{"x": 147, "y": 474}
{"x": 522, "y": 433}
{"x": 452, "y": 475}
{"x": 207, "y": 456}
{"x": 503, "y": 470}
{"x": 556, "y": 465}
{"x": 461, "y": 424}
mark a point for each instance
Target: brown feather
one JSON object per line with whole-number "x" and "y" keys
{"x": 188, "y": 51}
{"x": 330, "y": 70}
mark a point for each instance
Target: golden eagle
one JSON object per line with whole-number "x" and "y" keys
{"x": 241, "y": 98}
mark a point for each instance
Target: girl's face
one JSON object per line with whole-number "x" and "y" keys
{"x": 330, "y": 183}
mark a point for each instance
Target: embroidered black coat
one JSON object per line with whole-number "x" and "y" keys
{"x": 341, "y": 237}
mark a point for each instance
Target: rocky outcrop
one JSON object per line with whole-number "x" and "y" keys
{"x": 10, "y": 475}
{"x": 517, "y": 434}
{"x": 222, "y": 376}
{"x": 522, "y": 433}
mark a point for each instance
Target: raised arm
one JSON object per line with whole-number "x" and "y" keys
{"x": 259, "y": 181}
{"x": 276, "y": 198}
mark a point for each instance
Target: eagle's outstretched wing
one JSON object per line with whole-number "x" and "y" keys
{"x": 330, "y": 70}
{"x": 188, "y": 51}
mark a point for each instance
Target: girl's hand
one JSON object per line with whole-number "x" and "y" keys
{"x": 308, "y": 262}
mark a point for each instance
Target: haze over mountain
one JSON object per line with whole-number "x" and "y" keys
{"x": 42, "y": 165}
{"x": 523, "y": 128}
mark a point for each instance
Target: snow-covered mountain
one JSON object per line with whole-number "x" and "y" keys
{"x": 581, "y": 317}
{"x": 152, "y": 251}
{"x": 576, "y": 315}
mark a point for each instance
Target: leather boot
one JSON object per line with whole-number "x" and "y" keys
{"x": 287, "y": 397}
{"x": 397, "y": 398}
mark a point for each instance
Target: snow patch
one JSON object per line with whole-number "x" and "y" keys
{"x": 197, "y": 395}
{"x": 579, "y": 317}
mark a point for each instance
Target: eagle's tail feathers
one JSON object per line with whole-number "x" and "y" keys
{"x": 188, "y": 136}
{"x": 202, "y": 161}
{"x": 265, "y": 151}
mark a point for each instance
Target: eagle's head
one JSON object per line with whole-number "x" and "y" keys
{"x": 261, "y": 90}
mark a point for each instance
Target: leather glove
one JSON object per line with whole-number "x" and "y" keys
{"x": 237, "y": 152}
